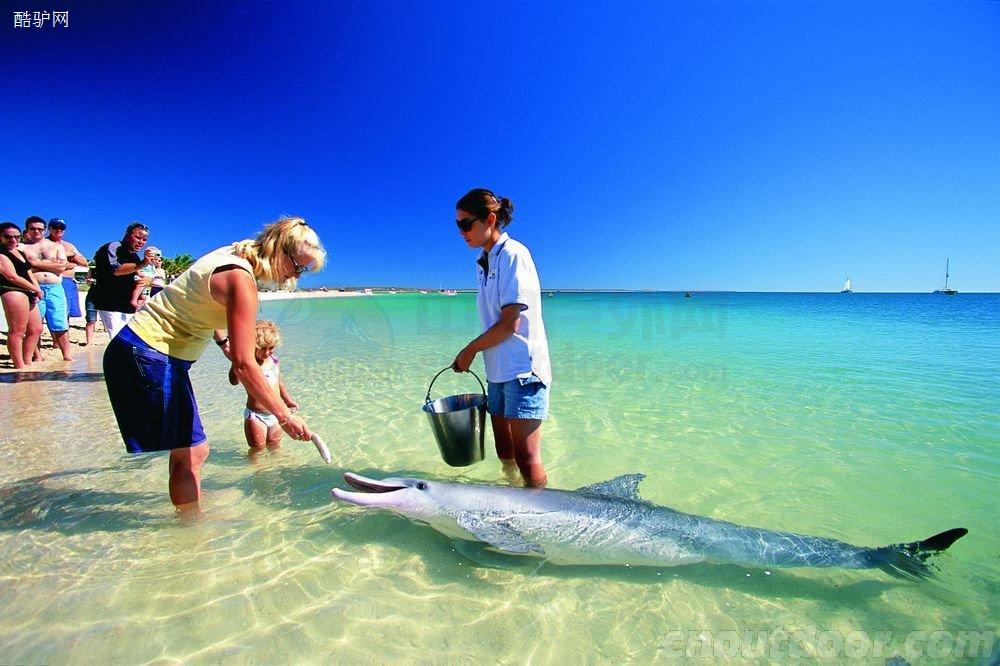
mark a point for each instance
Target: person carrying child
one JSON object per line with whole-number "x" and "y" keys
{"x": 159, "y": 275}
{"x": 146, "y": 275}
{"x": 260, "y": 426}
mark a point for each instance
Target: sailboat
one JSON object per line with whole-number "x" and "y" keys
{"x": 847, "y": 287}
{"x": 946, "y": 291}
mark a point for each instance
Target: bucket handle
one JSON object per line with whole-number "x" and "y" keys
{"x": 428, "y": 398}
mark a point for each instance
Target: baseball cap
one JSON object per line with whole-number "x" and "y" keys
{"x": 56, "y": 223}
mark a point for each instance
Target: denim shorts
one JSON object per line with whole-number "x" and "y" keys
{"x": 151, "y": 396}
{"x": 521, "y": 398}
{"x": 88, "y": 303}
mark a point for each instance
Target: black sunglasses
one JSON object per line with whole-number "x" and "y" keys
{"x": 299, "y": 270}
{"x": 465, "y": 224}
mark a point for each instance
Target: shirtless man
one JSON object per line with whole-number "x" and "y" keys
{"x": 48, "y": 262}
{"x": 57, "y": 229}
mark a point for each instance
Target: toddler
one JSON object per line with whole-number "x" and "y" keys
{"x": 152, "y": 271}
{"x": 260, "y": 426}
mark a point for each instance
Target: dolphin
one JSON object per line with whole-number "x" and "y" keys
{"x": 608, "y": 524}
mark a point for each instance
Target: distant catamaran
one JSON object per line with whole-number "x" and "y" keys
{"x": 946, "y": 291}
{"x": 847, "y": 287}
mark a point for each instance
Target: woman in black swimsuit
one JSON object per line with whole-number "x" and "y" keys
{"x": 19, "y": 291}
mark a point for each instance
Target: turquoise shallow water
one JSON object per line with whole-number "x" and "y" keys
{"x": 868, "y": 418}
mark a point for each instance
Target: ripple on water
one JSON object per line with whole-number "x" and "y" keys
{"x": 871, "y": 426}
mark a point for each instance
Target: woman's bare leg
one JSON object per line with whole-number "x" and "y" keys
{"x": 527, "y": 436}
{"x": 519, "y": 442}
{"x": 504, "y": 442}
{"x": 185, "y": 476}
{"x": 15, "y": 309}
{"x": 32, "y": 334}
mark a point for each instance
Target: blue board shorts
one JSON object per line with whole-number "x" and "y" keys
{"x": 151, "y": 395}
{"x": 72, "y": 297}
{"x": 52, "y": 307}
{"x": 521, "y": 398}
{"x": 88, "y": 304}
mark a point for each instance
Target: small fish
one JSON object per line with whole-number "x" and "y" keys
{"x": 321, "y": 447}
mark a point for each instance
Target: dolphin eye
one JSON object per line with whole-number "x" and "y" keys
{"x": 421, "y": 485}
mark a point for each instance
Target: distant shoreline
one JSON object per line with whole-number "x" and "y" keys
{"x": 377, "y": 291}
{"x": 289, "y": 295}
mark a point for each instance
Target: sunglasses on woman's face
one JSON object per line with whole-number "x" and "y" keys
{"x": 12, "y": 236}
{"x": 299, "y": 270}
{"x": 465, "y": 224}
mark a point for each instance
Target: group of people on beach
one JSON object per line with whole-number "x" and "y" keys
{"x": 38, "y": 284}
{"x": 155, "y": 340}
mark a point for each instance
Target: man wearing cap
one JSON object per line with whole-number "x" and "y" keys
{"x": 57, "y": 229}
{"x": 48, "y": 262}
{"x": 117, "y": 263}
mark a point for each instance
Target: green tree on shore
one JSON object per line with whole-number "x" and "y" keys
{"x": 174, "y": 266}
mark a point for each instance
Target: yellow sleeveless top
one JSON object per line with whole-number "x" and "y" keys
{"x": 179, "y": 320}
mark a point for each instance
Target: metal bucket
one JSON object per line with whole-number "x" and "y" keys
{"x": 458, "y": 422}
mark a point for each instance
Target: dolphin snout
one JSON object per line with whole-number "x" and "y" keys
{"x": 370, "y": 492}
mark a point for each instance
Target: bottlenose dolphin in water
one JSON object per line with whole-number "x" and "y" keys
{"x": 608, "y": 524}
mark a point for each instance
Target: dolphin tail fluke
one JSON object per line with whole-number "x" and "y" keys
{"x": 908, "y": 560}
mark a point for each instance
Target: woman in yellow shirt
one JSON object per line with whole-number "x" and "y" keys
{"x": 146, "y": 365}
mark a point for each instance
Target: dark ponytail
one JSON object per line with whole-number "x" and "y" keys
{"x": 481, "y": 202}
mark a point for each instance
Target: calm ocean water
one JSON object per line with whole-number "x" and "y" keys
{"x": 869, "y": 418}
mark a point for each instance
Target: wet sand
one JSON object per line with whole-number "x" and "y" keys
{"x": 52, "y": 360}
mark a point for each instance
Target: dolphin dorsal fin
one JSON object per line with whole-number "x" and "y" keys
{"x": 625, "y": 486}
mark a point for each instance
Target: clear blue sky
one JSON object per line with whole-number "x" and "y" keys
{"x": 773, "y": 147}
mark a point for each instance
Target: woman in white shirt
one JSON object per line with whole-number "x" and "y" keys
{"x": 515, "y": 349}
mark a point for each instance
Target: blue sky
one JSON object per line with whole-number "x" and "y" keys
{"x": 771, "y": 147}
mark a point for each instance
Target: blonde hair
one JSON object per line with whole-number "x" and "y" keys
{"x": 267, "y": 334}
{"x": 286, "y": 236}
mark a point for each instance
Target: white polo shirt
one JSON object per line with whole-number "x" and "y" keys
{"x": 511, "y": 278}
